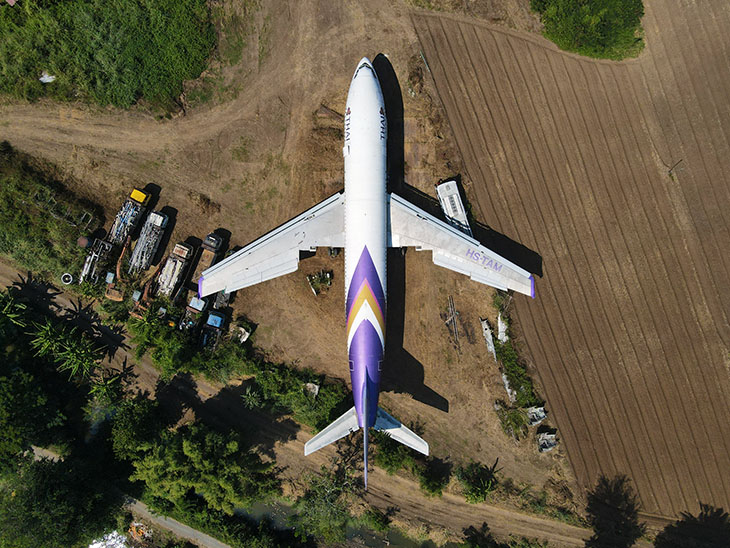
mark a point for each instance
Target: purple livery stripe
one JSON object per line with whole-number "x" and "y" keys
{"x": 366, "y": 347}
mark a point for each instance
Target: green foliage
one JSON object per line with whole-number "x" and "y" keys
{"x": 283, "y": 388}
{"x": 135, "y": 427}
{"x": 199, "y": 461}
{"x": 376, "y": 520}
{"x": 323, "y": 510}
{"x": 609, "y": 29}
{"x": 237, "y": 531}
{"x": 33, "y": 232}
{"x": 613, "y": 512}
{"x": 477, "y": 480}
{"x": 109, "y": 52}
{"x": 71, "y": 349}
{"x": 25, "y": 414}
{"x": 116, "y": 311}
{"x": 391, "y": 455}
{"x": 514, "y": 421}
{"x": 709, "y": 529}
{"x": 49, "y": 504}
{"x": 433, "y": 476}
{"x": 516, "y": 374}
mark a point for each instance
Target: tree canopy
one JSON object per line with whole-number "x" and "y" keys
{"x": 608, "y": 29}
{"x": 197, "y": 461}
{"x": 50, "y": 504}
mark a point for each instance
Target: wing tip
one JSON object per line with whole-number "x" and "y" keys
{"x": 532, "y": 286}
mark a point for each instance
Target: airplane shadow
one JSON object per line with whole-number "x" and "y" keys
{"x": 505, "y": 246}
{"x": 403, "y": 373}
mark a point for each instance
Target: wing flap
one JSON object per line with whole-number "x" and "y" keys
{"x": 277, "y": 252}
{"x": 452, "y": 249}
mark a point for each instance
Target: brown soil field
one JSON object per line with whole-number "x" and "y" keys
{"x": 262, "y": 150}
{"x": 573, "y": 158}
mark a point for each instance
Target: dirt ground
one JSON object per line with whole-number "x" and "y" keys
{"x": 261, "y": 151}
{"x": 617, "y": 174}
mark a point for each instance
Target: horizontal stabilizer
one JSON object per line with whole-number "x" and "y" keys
{"x": 346, "y": 424}
{"x": 394, "y": 428}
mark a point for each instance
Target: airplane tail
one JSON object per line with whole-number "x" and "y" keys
{"x": 348, "y": 423}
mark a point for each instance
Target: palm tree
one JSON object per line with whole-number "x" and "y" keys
{"x": 47, "y": 338}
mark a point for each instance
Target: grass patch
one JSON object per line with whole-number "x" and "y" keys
{"x": 604, "y": 29}
{"x": 107, "y": 52}
{"x": 40, "y": 220}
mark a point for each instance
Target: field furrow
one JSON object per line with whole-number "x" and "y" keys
{"x": 572, "y": 157}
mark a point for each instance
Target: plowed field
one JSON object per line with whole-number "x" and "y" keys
{"x": 571, "y": 157}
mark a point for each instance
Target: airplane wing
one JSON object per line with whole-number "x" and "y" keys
{"x": 277, "y": 253}
{"x": 452, "y": 249}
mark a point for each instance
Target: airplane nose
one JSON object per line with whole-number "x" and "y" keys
{"x": 364, "y": 67}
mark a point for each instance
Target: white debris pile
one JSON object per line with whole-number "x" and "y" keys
{"x": 111, "y": 540}
{"x": 501, "y": 329}
{"x": 487, "y": 331}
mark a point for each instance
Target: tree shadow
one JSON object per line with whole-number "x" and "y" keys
{"x": 709, "y": 529}
{"x": 613, "y": 512}
{"x": 37, "y": 293}
{"x": 259, "y": 429}
{"x": 177, "y": 396}
{"x": 481, "y": 538}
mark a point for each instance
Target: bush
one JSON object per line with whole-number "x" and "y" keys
{"x": 109, "y": 52}
{"x": 391, "y": 455}
{"x": 516, "y": 374}
{"x": 609, "y": 29}
{"x": 477, "y": 481}
{"x": 514, "y": 421}
{"x": 433, "y": 476}
{"x": 376, "y": 520}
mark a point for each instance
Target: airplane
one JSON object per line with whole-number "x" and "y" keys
{"x": 365, "y": 220}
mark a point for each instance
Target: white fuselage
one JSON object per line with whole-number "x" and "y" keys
{"x": 366, "y": 225}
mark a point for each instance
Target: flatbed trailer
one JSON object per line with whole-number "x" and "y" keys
{"x": 149, "y": 241}
{"x": 174, "y": 269}
{"x": 128, "y": 216}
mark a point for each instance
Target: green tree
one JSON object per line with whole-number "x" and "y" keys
{"x": 26, "y": 415}
{"x": 12, "y": 315}
{"x": 597, "y": 28}
{"x": 71, "y": 349}
{"x": 50, "y": 504}
{"x": 199, "y": 461}
{"x": 709, "y": 529}
{"x": 613, "y": 512}
{"x": 135, "y": 427}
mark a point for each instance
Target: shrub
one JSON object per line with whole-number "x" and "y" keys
{"x": 516, "y": 374}
{"x": 477, "y": 481}
{"x": 514, "y": 421}
{"x": 391, "y": 455}
{"x": 608, "y": 29}
{"x": 433, "y": 476}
